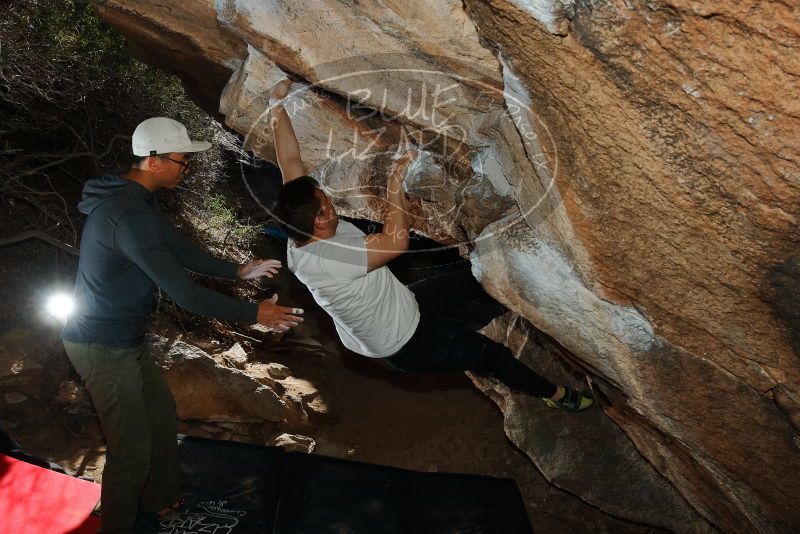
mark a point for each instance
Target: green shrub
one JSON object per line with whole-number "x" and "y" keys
{"x": 70, "y": 97}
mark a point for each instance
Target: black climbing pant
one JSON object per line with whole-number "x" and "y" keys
{"x": 452, "y": 306}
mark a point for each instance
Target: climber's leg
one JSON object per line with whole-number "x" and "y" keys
{"x": 440, "y": 344}
{"x": 457, "y": 295}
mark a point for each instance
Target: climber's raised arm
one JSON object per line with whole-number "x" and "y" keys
{"x": 287, "y": 148}
{"x": 393, "y": 239}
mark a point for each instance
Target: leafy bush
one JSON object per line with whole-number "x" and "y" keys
{"x": 70, "y": 96}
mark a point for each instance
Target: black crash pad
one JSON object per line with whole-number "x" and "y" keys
{"x": 235, "y": 488}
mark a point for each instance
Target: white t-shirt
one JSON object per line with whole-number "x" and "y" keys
{"x": 375, "y": 315}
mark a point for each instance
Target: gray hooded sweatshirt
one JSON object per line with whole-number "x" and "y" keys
{"x": 127, "y": 249}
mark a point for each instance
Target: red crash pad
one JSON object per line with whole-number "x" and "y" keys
{"x": 34, "y": 500}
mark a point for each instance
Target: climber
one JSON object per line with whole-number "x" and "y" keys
{"x": 127, "y": 249}
{"x": 419, "y": 328}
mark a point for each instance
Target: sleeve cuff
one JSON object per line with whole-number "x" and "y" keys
{"x": 234, "y": 270}
{"x": 250, "y": 312}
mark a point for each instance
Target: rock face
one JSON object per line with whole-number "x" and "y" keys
{"x": 206, "y": 389}
{"x": 587, "y": 454}
{"x": 624, "y": 174}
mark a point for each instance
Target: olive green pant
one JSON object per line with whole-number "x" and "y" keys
{"x": 137, "y": 417}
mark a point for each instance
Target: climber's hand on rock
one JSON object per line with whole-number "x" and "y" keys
{"x": 401, "y": 164}
{"x": 277, "y": 317}
{"x": 258, "y": 268}
{"x": 281, "y": 89}
{"x": 398, "y": 174}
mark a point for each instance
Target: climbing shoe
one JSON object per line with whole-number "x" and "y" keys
{"x": 574, "y": 400}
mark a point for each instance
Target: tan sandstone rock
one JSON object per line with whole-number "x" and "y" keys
{"x": 207, "y": 391}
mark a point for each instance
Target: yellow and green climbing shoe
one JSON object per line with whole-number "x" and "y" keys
{"x": 574, "y": 400}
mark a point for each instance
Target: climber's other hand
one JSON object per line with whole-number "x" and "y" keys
{"x": 281, "y": 89}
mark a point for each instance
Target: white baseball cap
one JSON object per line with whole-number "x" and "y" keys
{"x": 160, "y": 135}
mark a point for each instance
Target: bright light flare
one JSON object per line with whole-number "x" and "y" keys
{"x": 60, "y": 306}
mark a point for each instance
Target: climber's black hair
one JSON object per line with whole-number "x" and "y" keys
{"x": 296, "y": 208}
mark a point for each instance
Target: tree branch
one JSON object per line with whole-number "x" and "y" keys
{"x": 38, "y": 234}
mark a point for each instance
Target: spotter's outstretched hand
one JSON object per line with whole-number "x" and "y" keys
{"x": 279, "y": 318}
{"x": 258, "y": 268}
